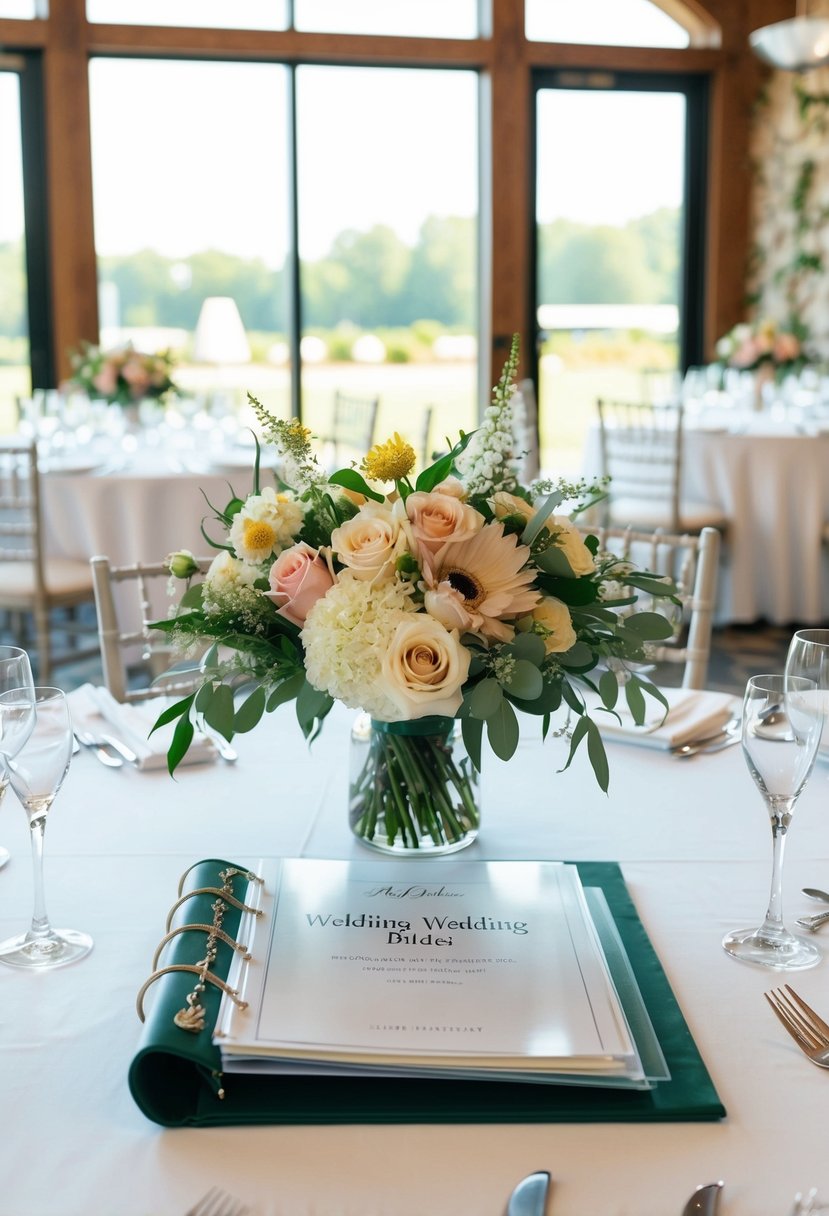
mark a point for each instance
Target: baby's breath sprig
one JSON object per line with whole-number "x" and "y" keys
{"x": 293, "y": 441}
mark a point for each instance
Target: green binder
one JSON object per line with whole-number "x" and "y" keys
{"x": 175, "y": 1076}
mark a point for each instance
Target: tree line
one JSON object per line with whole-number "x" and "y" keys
{"x": 374, "y": 279}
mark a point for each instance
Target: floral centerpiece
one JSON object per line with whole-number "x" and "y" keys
{"x": 763, "y": 343}
{"x": 122, "y": 376}
{"x": 443, "y": 606}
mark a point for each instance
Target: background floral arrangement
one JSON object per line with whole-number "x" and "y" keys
{"x": 459, "y": 594}
{"x": 122, "y": 376}
{"x": 751, "y": 345}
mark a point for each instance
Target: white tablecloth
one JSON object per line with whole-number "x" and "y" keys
{"x": 694, "y": 843}
{"x": 773, "y": 485}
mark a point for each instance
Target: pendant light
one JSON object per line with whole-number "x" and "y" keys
{"x": 795, "y": 45}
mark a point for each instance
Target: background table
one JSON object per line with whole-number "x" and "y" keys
{"x": 773, "y": 484}
{"x": 695, "y": 848}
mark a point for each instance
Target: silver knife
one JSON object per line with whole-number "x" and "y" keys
{"x": 120, "y": 747}
{"x": 530, "y": 1196}
{"x": 704, "y": 1201}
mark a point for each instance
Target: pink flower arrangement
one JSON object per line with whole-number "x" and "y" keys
{"x": 122, "y": 376}
{"x": 749, "y": 346}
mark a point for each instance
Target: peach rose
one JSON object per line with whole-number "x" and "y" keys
{"x": 440, "y": 519}
{"x": 424, "y": 668}
{"x": 106, "y": 380}
{"x": 451, "y": 486}
{"x": 367, "y": 543}
{"x": 786, "y": 347}
{"x": 299, "y": 577}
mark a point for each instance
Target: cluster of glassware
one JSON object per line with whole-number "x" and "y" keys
{"x": 799, "y": 397}
{"x": 784, "y": 719}
{"x": 68, "y": 423}
{"x": 35, "y": 753}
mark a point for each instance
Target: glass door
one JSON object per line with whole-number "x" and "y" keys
{"x": 619, "y": 243}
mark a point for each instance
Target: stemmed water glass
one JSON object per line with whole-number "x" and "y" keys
{"x": 15, "y": 672}
{"x": 36, "y": 774}
{"x": 782, "y": 726}
{"x": 808, "y": 656}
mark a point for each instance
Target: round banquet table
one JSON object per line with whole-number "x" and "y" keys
{"x": 773, "y": 484}
{"x": 694, "y": 845}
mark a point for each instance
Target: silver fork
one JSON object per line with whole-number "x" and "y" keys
{"x": 808, "y": 1030}
{"x": 218, "y": 1203}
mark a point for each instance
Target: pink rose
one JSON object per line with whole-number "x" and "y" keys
{"x": 438, "y": 520}
{"x": 299, "y": 577}
{"x": 786, "y": 348}
{"x": 106, "y": 380}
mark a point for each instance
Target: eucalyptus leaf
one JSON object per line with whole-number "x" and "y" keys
{"x": 528, "y": 646}
{"x": 249, "y": 712}
{"x": 597, "y": 755}
{"x": 435, "y": 473}
{"x": 635, "y": 700}
{"x": 579, "y": 655}
{"x": 286, "y": 691}
{"x": 311, "y": 704}
{"x": 210, "y": 659}
{"x": 553, "y": 561}
{"x": 219, "y": 713}
{"x": 503, "y": 731}
{"x": 525, "y": 681}
{"x": 609, "y": 689}
{"x": 485, "y": 699}
{"x": 192, "y": 597}
{"x": 649, "y": 625}
{"x": 579, "y": 732}
{"x": 204, "y": 696}
{"x": 472, "y": 730}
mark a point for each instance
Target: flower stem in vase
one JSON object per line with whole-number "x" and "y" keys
{"x": 413, "y": 787}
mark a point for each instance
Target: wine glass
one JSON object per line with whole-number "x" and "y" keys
{"x": 36, "y": 774}
{"x": 808, "y": 656}
{"x": 782, "y": 726}
{"x": 15, "y": 672}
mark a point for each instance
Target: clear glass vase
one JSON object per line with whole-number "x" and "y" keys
{"x": 413, "y": 789}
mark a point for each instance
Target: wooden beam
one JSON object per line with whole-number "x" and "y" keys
{"x": 69, "y": 183}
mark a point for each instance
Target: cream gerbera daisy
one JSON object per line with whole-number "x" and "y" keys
{"x": 480, "y": 584}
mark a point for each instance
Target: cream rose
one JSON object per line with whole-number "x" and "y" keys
{"x": 367, "y": 542}
{"x": 440, "y": 519}
{"x": 298, "y": 578}
{"x": 556, "y": 625}
{"x": 424, "y": 668}
{"x": 566, "y": 534}
{"x": 570, "y": 541}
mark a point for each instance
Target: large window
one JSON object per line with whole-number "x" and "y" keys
{"x": 387, "y": 204}
{"x": 191, "y": 204}
{"x": 619, "y": 255}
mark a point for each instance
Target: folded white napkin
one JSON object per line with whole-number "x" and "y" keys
{"x": 95, "y": 710}
{"x": 692, "y": 715}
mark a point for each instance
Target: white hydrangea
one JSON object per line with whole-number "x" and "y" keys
{"x": 266, "y": 524}
{"x": 346, "y": 635}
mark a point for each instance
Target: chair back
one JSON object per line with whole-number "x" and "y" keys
{"x": 20, "y": 511}
{"x": 354, "y": 426}
{"x": 692, "y": 562}
{"x": 641, "y": 453}
{"x": 127, "y": 599}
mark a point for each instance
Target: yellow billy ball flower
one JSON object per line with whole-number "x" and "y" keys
{"x": 389, "y": 461}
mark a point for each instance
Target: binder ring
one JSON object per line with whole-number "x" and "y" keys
{"x": 210, "y": 930}
{"x": 203, "y": 975}
{"x": 229, "y": 872}
{"x": 222, "y": 894}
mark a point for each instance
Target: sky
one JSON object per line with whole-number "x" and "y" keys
{"x": 191, "y": 156}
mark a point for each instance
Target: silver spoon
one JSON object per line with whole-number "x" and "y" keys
{"x": 723, "y": 738}
{"x": 816, "y": 893}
